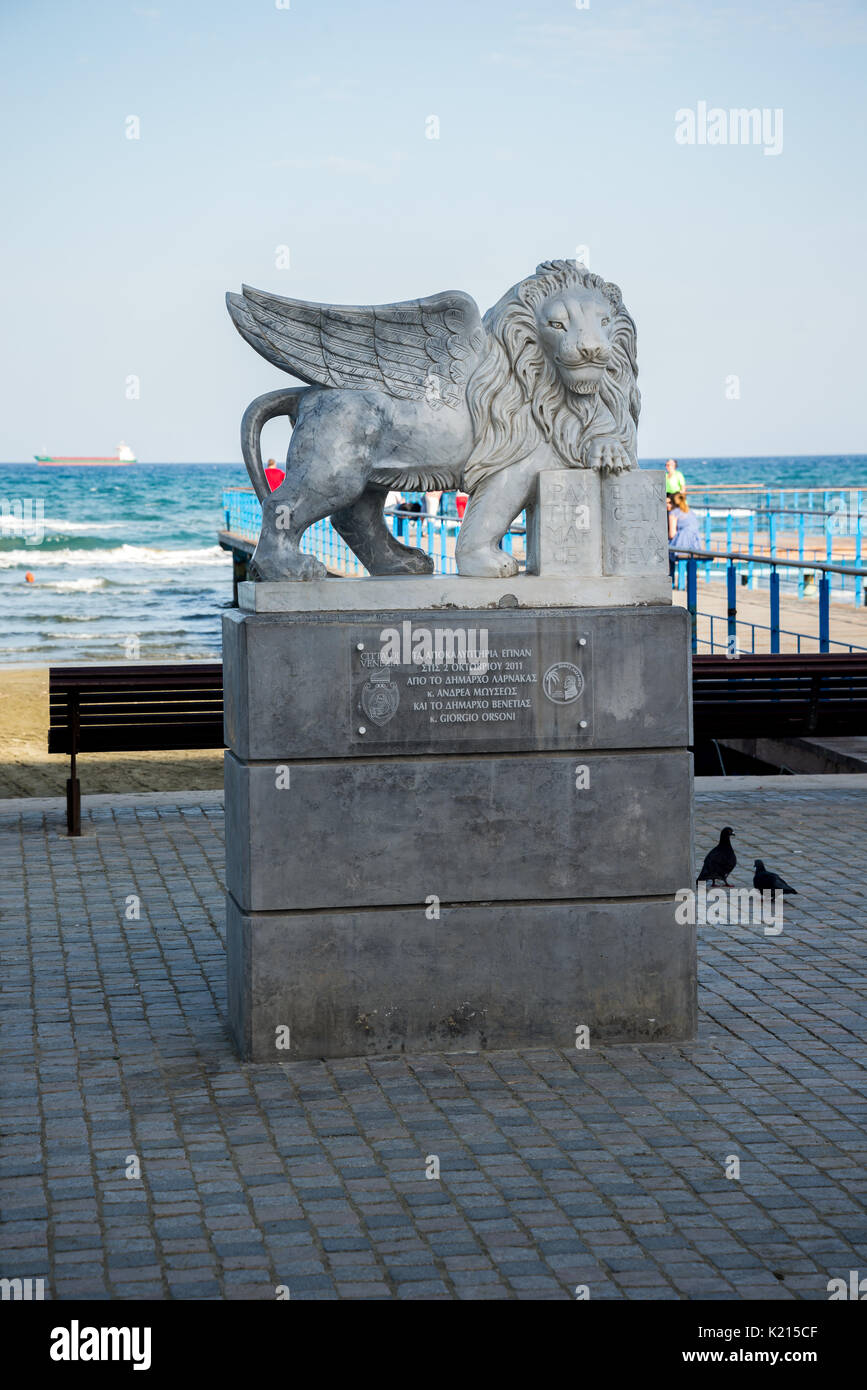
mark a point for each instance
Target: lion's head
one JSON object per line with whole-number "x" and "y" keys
{"x": 560, "y": 367}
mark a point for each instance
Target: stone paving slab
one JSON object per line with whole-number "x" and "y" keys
{"x": 603, "y": 1168}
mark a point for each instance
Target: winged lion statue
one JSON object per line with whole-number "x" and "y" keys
{"x": 427, "y": 394}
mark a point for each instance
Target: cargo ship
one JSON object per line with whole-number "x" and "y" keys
{"x": 123, "y": 454}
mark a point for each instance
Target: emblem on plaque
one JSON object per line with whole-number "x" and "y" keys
{"x": 380, "y": 698}
{"x": 562, "y": 683}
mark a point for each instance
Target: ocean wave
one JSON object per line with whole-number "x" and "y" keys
{"x": 132, "y": 555}
{"x": 61, "y": 524}
{"x": 84, "y": 586}
{"x": 51, "y": 543}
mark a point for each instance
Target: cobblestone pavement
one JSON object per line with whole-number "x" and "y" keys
{"x": 604, "y": 1168}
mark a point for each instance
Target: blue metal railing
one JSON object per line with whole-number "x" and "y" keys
{"x": 736, "y": 563}
{"x": 820, "y": 517}
{"x": 242, "y": 515}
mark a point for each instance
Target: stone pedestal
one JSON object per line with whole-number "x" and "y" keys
{"x": 456, "y": 827}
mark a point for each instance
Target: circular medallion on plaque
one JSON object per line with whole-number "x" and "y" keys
{"x": 562, "y": 683}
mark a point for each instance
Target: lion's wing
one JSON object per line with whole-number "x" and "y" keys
{"x": 421, "y": 349}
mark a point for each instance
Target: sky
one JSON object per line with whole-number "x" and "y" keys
{"x": 288, "y": 144}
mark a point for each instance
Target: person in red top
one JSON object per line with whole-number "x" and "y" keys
{"x": 274, "y": 475}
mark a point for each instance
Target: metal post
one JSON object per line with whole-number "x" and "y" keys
{"x": 824, "y": 614}
{"x": 775, "y": 610}
{"x": 732, "y": 583}
{"x": 239, "y": 573}
{"x": 772, "y": 535}
{"x": 729, "y": 531}
{"x": 801, "y": 554}
{"x": 859, "y": 578}
{"x": 692, "y": 598}
{"x": 73, "y": 786}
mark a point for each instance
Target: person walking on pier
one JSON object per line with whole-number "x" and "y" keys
{"x": 674, "y": 479}
{"x": 683, "y": 530}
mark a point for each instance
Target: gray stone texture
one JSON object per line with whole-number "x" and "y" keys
{"x": 384, "y": 831}
{"x": 564, "y": 526}
{"x": 472, "y": 977}
{"x": 634, "y": 534}
{"x": 381, "y": 593}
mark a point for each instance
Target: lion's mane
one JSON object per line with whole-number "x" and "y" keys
{"x": 517, "y": 400}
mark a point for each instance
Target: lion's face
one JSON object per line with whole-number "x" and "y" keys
{"x": 575, "y": 327}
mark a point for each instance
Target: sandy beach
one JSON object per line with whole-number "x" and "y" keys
{"x": 27, "y": 769}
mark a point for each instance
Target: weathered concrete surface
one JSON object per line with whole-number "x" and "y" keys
{"x": 387, "y": 831}
{"x": 805, "y": 755}
{"x": 473, "y": 977}
{"x": 381, "y": 592}
{"x": 288, "y": 682}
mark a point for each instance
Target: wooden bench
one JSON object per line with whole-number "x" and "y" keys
{"x": 783, "y": 696}
{"x": 129, "y": 707}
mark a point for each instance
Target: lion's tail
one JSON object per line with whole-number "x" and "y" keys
{"x": 257, "y": 414}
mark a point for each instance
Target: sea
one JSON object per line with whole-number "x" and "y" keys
{"x": 125, "y": 562}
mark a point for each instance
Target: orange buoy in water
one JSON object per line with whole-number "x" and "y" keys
{"x": 28, "y": 578}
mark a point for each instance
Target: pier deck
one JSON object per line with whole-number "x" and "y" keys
{"x": 797, "y": 615}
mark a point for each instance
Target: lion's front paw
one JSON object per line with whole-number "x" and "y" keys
{"x": 608, "y": 456}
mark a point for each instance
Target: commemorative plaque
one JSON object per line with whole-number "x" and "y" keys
{"x": 426, "y": 682}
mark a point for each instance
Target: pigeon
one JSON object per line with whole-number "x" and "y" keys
{"x": 720, "y": 861}
{"x": 763, "y": 878}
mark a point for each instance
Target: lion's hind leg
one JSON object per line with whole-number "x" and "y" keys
{"x": 363, "y": 527}
{"x": 326, "y": 473}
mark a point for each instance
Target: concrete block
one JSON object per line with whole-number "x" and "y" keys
{"x": 479, "y": 976}
{"x": 299, "y": 685}
{"x": 386, "y": 831}
{"x": 379, "y": 592}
